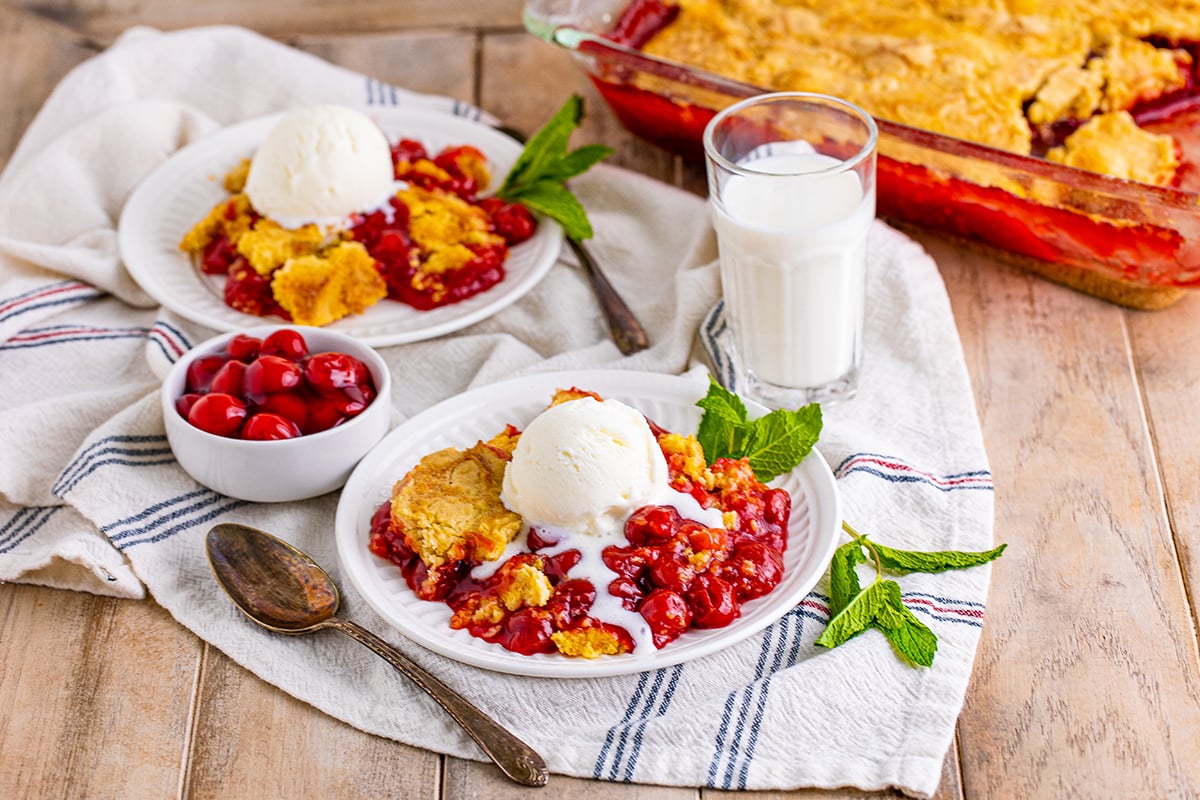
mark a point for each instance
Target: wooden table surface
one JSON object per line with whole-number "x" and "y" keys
{"x": 1086, "y": 682}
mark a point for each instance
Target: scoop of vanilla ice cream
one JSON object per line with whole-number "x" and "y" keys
{"x": 585, "y": 466}
{"x": 320, "y": 165}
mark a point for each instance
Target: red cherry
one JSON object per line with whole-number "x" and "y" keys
{"x": 228, "y": 379}
{"x": 218, "y": 254}
{"x": 513, "y": 221}
{"x": 628, "y": 590}
{"x": 243, "y": 347}
{"x": 714, "y": 602}
{"x": 270, "y": 426}
{"x": 557, "y": 566}
{"x": 571, "y": 600}
{"x": 219, "y": 414}
{"x": 651, "y": 525}
{"x": 701, "y": 538}
{"x": 408, "y": 150}
{"x": 291, "y": 405}
{"x": 184, "y": 404}
{"x": 753, "y": 568}
{"x": 270, "y": 373}
{"x": 528, "y": 632}
{"x": 672, "y": 571}
{"x": 201, "y": 371}
{"x": 667, "y": 614}
{"x": 323, "y": 414}
{"x": 338, "y": 373}
{"x": 286, "y": 343}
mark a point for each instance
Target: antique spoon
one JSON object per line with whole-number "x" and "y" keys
{"x": 285, "y": 591}
{"x": 628, "y": 334}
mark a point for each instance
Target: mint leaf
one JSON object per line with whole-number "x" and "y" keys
{"x": 547, "y": 144}
{"x": 538, "y": 177}
{"x": 578, "y": 162}
{"x": 879, "y": 606}
{"x": 556, "y": 201}
{"x": 843, "y": 580}
{"x": 903, "y": 561}
{"x": 773, "y": 444}
{"x": 722, "y": 426}
{"x": 781, "y": 440}
{"x": 849, "y": 608}
{"x": 908, "y": 635}
{"x": 856, "y": 617}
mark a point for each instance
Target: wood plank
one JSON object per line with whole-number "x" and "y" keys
{"x": 508, "y": 61}
{"x": 94, "y": 695}
{"x": 438, "y": 62}
{"x": 34, "y": 56}
{"x": 253, "y": 740}
{"x": 1085, "y": 683}
{"x": 94, "y": 692}
{"x": 472, "y": 780}
{"x": 1170, "y": 375}
{"x": 104, "y": 20}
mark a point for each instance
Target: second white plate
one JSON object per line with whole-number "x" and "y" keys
{"x": 480, "y": 414}
{"x": 181, "y": 191}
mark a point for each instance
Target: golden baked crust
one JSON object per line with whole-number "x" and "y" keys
{"x": 319, "y": 289}
{"x": 448, "y": 506}
{"x": 963, "y": 68}
{"x": 1113, "y": 144}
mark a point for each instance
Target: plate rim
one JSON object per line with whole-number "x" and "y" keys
{"x": 350, "y": 538}
{"x": 143, "y": 257}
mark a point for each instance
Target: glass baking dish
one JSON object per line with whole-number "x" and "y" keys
{"x": 1129, "y": 243}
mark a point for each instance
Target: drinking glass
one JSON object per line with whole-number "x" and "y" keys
{"x": 791, "y": 180}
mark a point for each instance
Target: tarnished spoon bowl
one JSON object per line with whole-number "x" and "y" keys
{"x": 282, "y": 589}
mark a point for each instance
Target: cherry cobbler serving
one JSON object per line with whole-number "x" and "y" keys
{"x": 436, "y": 241}
{"x": 626, "y": 538}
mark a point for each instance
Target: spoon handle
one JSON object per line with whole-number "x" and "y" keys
{"x": 515, "y": 759}
{"x": 626, "y": 331}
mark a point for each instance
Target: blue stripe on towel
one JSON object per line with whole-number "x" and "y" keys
{"x": 623, "y": 742}
{"x": 113, "y": 450}
{"x": 23, "y": 524}
{"x": 155, "y": 523}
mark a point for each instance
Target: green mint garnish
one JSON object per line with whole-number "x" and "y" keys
{"x": 538, "y": 178}
{"x": 773, "y": 444}
{"x": 776, "y": 443}
{"x": 880, "y": 605}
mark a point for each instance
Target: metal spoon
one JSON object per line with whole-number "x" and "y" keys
{"x": 284, "y": 590}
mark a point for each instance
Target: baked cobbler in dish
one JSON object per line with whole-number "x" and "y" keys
{"x": 1059, "y": 79}
{"x": 711, "y": 539}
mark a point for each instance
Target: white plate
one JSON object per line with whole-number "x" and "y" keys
{"x": 480, "y": 414}
{"x": 183, "y": 189}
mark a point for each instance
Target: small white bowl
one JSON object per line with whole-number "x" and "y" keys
{"x": 282, "y": 470}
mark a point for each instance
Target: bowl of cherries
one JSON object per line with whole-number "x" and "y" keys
{"x": 276, "y": 413}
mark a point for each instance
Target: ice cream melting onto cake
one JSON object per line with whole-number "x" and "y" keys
{"x": 579, "y": 470}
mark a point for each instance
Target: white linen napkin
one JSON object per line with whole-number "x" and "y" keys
{"x": 92, "y": 498}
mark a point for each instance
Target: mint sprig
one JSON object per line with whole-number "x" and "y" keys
{"x": 880, "y": 605}
{"x": 773, "y": 444}
{"x": 537, "y": 179}
{"x": 776, "y": 443}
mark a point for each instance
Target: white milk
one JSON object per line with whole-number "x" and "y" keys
{"x": 793, "y": 263}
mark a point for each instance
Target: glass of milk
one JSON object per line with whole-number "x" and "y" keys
{"x": 791, "y": 180}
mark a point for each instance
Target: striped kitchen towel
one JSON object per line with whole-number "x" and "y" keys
{"x": 92, "y": 499}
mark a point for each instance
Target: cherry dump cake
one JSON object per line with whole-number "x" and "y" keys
{"x": 1071, "y": 82}
{"x": 626, "y": 536}
{"x": 434, "y": 241}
